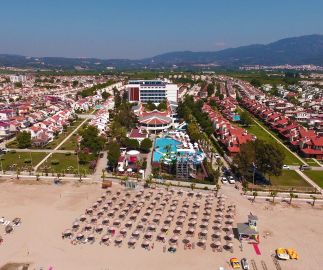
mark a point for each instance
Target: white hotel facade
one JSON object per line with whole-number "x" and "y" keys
{"x": 154, "y": 91}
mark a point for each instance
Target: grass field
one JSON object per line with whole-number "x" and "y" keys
{"x": 67, "y": 164}
{"x": 316, "y": 176}
{"x": 63, "y": 135}
{"x": 13, "y": 160}
{"x": 289, "y": 178}
{"x": 312, "y": 162}
{"x": 256, "y": 130}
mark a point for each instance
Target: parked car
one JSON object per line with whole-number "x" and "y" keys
{"x": 231, "y": 180}
{"x": 217, "y": 155}
{"x": 282, "y": 254}
{"x": 3, "y": 150}
{"x": 245, "y": 264}
{"x": 235, "y": 263}
{"x": 224, "y": 180}
{"x": 101, "y": 155}
{"x": 304, "y": 167}
{"x": 286, "y": 167}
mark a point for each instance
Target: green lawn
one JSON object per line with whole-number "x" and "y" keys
{"x": 67, "y": 164}
{"x": 64, "y": 134}
{"x": 13, "y": 160}
{"x": 316, "y": 176}
{"x": 256, "y": 130}
{"x": 71, "y": 143}
{"x": 289, "y": 178}
{"x": 312, "y": 162}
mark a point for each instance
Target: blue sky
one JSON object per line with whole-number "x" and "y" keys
{"x": 143, "y": 28}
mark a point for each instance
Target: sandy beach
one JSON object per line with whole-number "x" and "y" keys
{"x": 48, "y": 210}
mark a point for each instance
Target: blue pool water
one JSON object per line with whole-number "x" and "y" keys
{"x": 160, "y": 144}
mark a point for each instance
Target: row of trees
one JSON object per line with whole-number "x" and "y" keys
{"x": 162, "y": 106}
{"x": 91, "y": 91}
{"x": 266, "y": 158}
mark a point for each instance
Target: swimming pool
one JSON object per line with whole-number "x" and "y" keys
{"x": 161, "y": 145}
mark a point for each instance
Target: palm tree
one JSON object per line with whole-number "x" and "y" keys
{"x": 218, "y": 187}
{"x": 168, "y": 184}
{"x": 291, "y": 197}
{"x": 244, "y": 189}
{"x": 103, "y": 174}
{"x": 273, "y": 194}
{"x": 254, "y": 194}
{"x": 314, "y": 199}
{"x": 193, "y": 186}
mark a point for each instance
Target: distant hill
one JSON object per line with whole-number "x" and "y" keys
{"x": 295, "y": 51}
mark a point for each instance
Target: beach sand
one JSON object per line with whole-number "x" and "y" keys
{"x": 47, "y": 210}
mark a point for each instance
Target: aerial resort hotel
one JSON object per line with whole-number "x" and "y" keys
{"x": 175, "y": 154}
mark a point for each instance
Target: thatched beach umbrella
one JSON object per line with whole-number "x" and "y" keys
{"x": 67, "y": 233}
{"x": 83, "y": 218}
{"x": 105, "y": 238}
{"x": 204, "y": 232}
{"x": 105, "y": 221}
{"x": 131, "y": 242}
{"x": 165, "y": 228}
{"x": 134, "y": 216}
{"x": 76, "y": 225}
{"x": 145, "y": 243}
{"x": 148, "y": 235}
{"x": 116, "y": 222}
{"x": 135, "y": 233}
{"x": 161, "y": 236}
{"x": 80, "y": 236}
{"x": 87, "y": 227}
{"x": 128, "y": 224}
{"x": 174, "y": 239}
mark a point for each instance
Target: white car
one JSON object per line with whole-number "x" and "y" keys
{"x": 217, "y": 155}
{"x": 231, "y": 180}
{"x": 224, "y": 180}
{"x": 286, "y": 167}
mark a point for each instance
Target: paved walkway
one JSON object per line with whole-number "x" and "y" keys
{"x": 58, "y": 146}
{"x": 40, "y": 150}
{"x": 309, "y": 180}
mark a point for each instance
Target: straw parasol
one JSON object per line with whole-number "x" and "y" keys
{"x": 67, "y": 233}
{"x": 148, "y": 235}
{"x": 105, "y": 221}
{"x": 91, "y": 237}
{"x": 99, "y": 228}
{"x": 229, "y": 221}
{"x": 80, "y": 236}
{"x": 105, "y": 238}
{"x": 123, "y": 231}
{"x": 165, "y": 228}
{"x": 135, "y": 233}
{"x": 161, "y": 236}
{"x": 116, "y": 222}
{"x": 118, "y": 239}
{"x": 145, "y": 243}
{"x": 88, "y": 227}
{"x": 75, "y": 225}
{"x": 178, "y": 229}
{"x": 152, "y": 227}
{"x": 131, "y": 241}
{"x": 128, "y": 224}
{"x": 83, "y": 218}
{"x": 140, "y": 226}
{"x": 174, "y": 239}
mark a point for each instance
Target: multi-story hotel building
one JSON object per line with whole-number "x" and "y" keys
{"x": 155, "y": 91}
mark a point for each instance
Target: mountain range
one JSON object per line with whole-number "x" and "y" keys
{"x": 295, "y": 51}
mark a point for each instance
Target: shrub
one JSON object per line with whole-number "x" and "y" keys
{"x": 67, "y": 154}
{"x": 27, "y": 161}
{"x": 55, "y": 162}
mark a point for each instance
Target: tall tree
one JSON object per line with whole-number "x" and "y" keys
{"x": 245, "y": 119}
{"x": 23, "y": 139}
{"x": 113, "y": 154}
